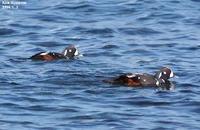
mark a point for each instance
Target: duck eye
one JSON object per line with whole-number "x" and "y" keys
{"x": 70, "y": 50}
{"x": 164, "y": 72}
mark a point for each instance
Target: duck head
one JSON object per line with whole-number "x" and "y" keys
{"x": 71, "y": 51}
{"x": 164, "y": 73}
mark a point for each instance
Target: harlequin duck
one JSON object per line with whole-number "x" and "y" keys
{"x": 68, "y": 53}
{"x": 160, "y": 79}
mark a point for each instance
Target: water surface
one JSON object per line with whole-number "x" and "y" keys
{"x": 114, "y": 37}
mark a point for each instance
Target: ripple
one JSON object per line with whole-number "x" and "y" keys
{"x": 147, "y": 103}
{"x": 167, "y": 22}
{"x": 172, "y": 16}
{"x": 74, "y": 39}
{"x": 12, "y": 44}
{"x": 139, "y": 51}
{"x": 195, "y": 0}
{"x": 26, "y": 26}
{"x": 161, "y": 45}
{"x": 192, "y": 21}
{"x": 6, "y": 31}
{"x": 110, "y": 47}
{"x": 139, "y": 31}
{"x": 74, "y": 6}
{"x": 175, "y": 1}
{"x": 66, "y": 109}
{"x": 96, "y": 31}
{"x": 17, "y": 122}
{"x": 9, "y": 105}
{"x": 100, "y": 31}
{"x": 46, "y": 43}
{"x": 191, "y": 48}
{"x": 196, "y": 110}
{"x": 49, "y": 18}
{"x": 39, "y": 108}
{"x": 78, "y": 28}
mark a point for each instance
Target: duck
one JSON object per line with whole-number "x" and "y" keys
{"x": 159, "y": 79}
{"x": 69, "y": 52}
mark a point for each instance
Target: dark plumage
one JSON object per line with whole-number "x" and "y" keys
{"x": 136, "y": 80}
{"x": 68, "y": 53}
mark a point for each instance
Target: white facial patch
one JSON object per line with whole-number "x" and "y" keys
{"x": 171, "y": 74}
{"x": 70, "y": 50}
{"x": 165, "y": 72}
{"x": 65, "y": 52}
{"x": 44, "y": 53}
{"x": 76, "y": 53}
{"x": 160, "y": 74}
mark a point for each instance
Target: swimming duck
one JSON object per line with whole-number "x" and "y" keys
{"x": 68, "y": 53}
{"x": 161, "y": 78}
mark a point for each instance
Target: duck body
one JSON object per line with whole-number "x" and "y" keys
{"x": 143, "y": 79}
{"x": 68, "y": 53}
{"x": 48, "y": 56}
{"x": 135, "y": 80}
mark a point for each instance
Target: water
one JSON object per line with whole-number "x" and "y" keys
{"x": 114, "y": 37}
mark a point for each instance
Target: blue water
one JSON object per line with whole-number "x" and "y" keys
{"x": 114, "y": 36}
